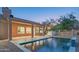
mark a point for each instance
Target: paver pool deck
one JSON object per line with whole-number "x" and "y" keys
{"x": 7, "y": 46}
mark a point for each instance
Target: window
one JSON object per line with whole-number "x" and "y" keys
{"x": 37, "y": 30}
{"x": 41, "y": 30}
{"x": 28, "y": 30}
{"x": 21, "y": 30}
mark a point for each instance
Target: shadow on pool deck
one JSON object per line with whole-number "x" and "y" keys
{"x": 6, "y": 46}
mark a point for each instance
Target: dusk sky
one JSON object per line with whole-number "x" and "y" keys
{"x": 40, "y": 14}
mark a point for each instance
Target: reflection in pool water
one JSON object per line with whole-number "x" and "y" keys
{"x": 51, "y": 45}
{"x": 55, "y": 45}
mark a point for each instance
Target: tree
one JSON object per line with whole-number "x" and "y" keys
{"x": 66, "y": 23}
{"x": 48, "y": 23}
{"x": 45, "y": 23}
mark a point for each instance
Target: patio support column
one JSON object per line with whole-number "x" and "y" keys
{"x": 43, "y": 31}
{"x": 39, "y": 30}
{"x": 9, "y": 29}
{"x": 32, "y": 31}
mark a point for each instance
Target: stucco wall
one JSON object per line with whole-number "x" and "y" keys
{"x": 15, "y": 34}
{"x": 3, "y": 29}
{"x": 14, "y": 30}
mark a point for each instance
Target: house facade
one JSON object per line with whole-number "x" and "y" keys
{"x": 21, "y": 27}
{"x": 18, "y": 27}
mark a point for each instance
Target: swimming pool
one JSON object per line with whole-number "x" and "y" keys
{"x": 55, "y": 45}
{"x": 50, "y": 45}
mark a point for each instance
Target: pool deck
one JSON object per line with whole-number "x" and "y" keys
{"x": 10, "y": 46}
{"x": 7, "y": 46}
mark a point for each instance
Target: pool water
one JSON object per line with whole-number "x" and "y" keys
{"x": 55, "y": 45}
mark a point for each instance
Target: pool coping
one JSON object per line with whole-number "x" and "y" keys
{"x": 21, "y": 47}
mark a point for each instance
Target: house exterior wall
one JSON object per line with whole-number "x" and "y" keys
{"x": 3, "y": 29}
{"x": 15, "y": 31}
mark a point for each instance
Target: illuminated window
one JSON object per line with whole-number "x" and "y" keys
{"x": 37, "y": 30}
{"x": 21, "y": 30}
{"x": 28, "y": 30}
{"x": 41, "y": 30}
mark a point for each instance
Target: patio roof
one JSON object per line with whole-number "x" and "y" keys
{"x": 26, "y": 21}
